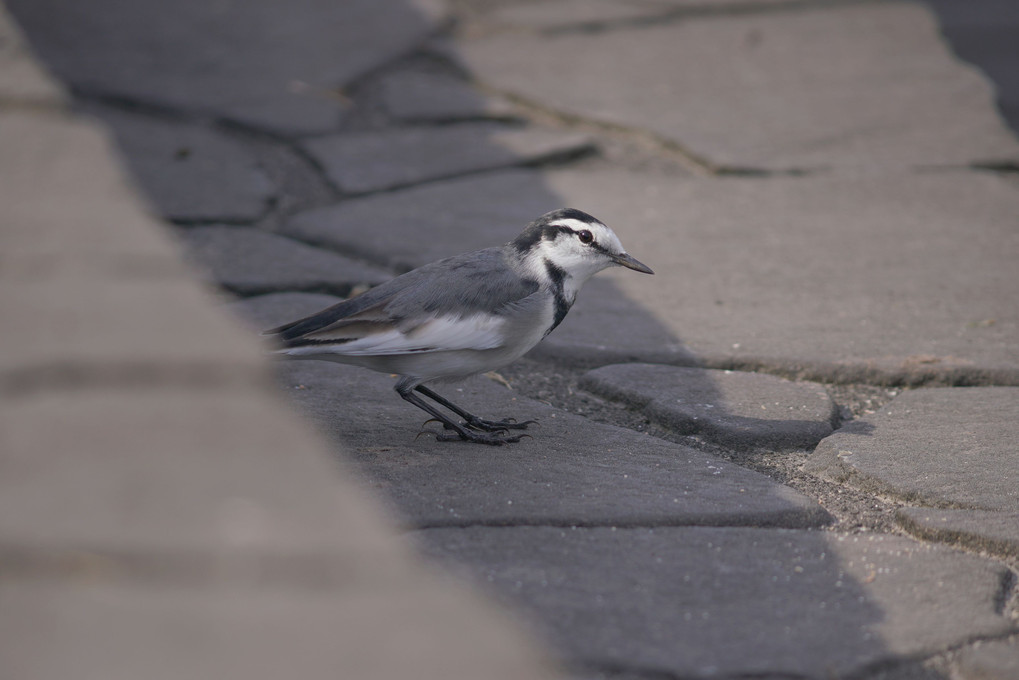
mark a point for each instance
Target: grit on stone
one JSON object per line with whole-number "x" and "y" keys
{"x": 948, "y": 447}
{"x": 984, "y": 530}
{"x": 244, "y": 64}
{"x": 733, "y": 409}
{"x": 776, "y": 90}
{"x": 697, "y": 602}
{"x": 248, "y": 261}
{"x": 374, "y": 161}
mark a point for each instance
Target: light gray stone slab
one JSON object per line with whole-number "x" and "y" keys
{"x": 416, "y": 97}
{"x": 943, "y": 447}
{"x": 731, "y": 408}
{"x": 266, "y": 64}
{"x": 190, "y": 173}
{"x": 368, "y": 624}
{"x": 985, "y": 530}
{"x": 898, "y": 278}
{"x": 249, "y": 261}
{"x": 704, "y": 602}
{"x": 373, "y": 161}
{"x": 774, "y": 90}
{"x": 994, "y": 660}
{"x": 406, "y": 229}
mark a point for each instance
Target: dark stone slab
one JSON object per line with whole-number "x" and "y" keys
{"x": 409, "y": 228}
{"x": 374, "y": 161}
{"x": 984, "y": 530}
{"x": 269, "y": 64}
{"x": 730, "y": 602}
{"x": 248, "y": 261}
{"x": 570, "y": 472}
{"x": 268, "y": 311}
{"x": 421, "y": 97}
{"x": 951, "y": 447}
{"x": 190, "y": 172}
{"x": 734, "y": 409}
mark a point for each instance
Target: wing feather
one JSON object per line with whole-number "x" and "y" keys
{"x": 457, "y": 303}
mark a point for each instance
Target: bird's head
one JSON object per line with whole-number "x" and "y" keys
{"x": 575, "y": 243}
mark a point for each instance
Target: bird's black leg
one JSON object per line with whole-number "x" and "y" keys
{"x": 406, "y": 391}
{"x": 469, "y": 418}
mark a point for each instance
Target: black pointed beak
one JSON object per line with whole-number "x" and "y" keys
{"x": 630, "y": 263}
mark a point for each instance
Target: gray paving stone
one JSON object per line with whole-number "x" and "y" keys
{"x": 567, "y": 13}
{"x": 374, "y": 161}
{"x": 360, "y": 625}
{"x": 409, "y": 228}
{"x": 420, "y": 97}
{"x": 775, "y": 90}
{"x": 730, "y": 602}
{"x": 71, "y": 164}
{"x": 997, "y": 660}
{"x": 249, "y": 261}
{"x": 266, "y": 64}
{"x": 943, "y": 447}
{"x": 993, "y": 532}
{"x": 22, "y": 80}
{"x": 267, "y": 311}
{"x": 733, "y": 409}
{"x": 190, "y": 173}
{"x": 898, "y": 278}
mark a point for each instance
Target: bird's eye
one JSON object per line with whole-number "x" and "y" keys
{"x": 585, "y": 236}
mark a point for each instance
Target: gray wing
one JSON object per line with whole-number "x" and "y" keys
{"x": 481, "y": 282}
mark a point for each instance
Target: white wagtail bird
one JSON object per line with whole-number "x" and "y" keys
{"x": 463, "y": 315}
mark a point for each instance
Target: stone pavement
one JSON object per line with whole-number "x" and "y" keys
{"x": 789, "y": 454}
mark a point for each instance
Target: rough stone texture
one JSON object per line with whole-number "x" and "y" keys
{"x": 373, "y": 161}
{"x": 191, "y": 173}
{"x": 805, "y": 89}
{"x": 417, "y": 97}
{"x": 943, "y": 447}
{"x": 693, "y": 602}
{"x": 733, "y": 409}
{"x": 22, "y": 80}
{"x": 409, "y": 228}
{"x": 248, "y": 261}
{"x": 570, "y": 472}
{"x": 992, "y": 532}
{"x": 989, "y": 661}
{"x": 242, "y": 61}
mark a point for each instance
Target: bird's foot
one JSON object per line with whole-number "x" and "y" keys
{"x": 494, "y": 438}
{"x": 497, "y": 425}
